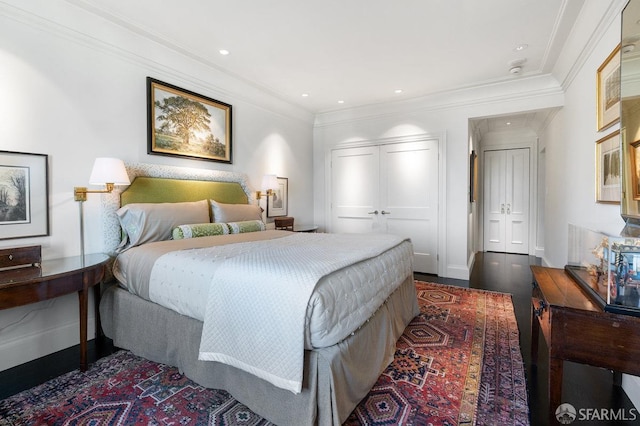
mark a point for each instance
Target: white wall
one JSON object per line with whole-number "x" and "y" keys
{"x": 445, "y": 116}
{"x": 73, "y": 87}
{"x": 569, "y": 142}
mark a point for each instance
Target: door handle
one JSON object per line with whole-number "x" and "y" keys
{"x": 374, "y": 212}
{"x": 502, "y": 208}
{"x": 383, "y": 212}
{"x": 508, "y": 208}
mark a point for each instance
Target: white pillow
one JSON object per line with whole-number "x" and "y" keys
{"x": 148, "y": 222}
{"x": 235, "y": 212}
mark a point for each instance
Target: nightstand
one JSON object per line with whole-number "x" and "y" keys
{"x": 52, "y": 278}
{"x": 284, "y": 222}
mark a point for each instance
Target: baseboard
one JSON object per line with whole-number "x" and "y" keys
{"x": 631, "y": 386}
{"x": 36, "y": 345}
{"x": 459, "y": 272}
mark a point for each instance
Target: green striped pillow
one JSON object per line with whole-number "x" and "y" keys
{"x": 246, "y": 226}
{"x": 199, "y": 230}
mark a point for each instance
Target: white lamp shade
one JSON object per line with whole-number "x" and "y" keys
{"x": 269, "y": 182}
{"x": 109, "y": 170}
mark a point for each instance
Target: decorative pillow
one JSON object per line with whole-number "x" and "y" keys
{"x": 148, "y": 222}
{"x": 246, "y": 226}
{"x": 234, "y": 212}
{"x": 199, "y": 230}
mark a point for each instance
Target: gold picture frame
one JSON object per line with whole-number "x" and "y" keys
{"x": 634, "y": 155}
{"x": 205, "y": 133}
{"x": 608, "y": 167}
{"x": 608, "y": 91}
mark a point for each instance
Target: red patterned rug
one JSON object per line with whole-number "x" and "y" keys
{"x": 457, "y": 363}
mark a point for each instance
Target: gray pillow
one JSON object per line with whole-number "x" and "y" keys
{"x": 147, "y": 222}
{"x": 234, "y": 212}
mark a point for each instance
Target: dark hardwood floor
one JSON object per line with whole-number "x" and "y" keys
{"x": 584, "y": 386}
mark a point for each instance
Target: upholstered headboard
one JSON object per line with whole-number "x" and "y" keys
{"x": 163, "y": 190}
{"x": 157, "y": 184}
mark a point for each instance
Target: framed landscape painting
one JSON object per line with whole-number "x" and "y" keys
{"x": 182, "y": 123}
{"x": 24, "y": 196}
{"x": 608, "y": 162}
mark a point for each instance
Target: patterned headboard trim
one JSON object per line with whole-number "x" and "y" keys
{"x": 111, "y": 202}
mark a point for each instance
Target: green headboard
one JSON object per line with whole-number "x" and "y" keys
{"x": 163, "y": 190}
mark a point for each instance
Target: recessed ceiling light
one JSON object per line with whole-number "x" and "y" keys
{"x": 521, "y": 47}
{"x": 341, "y": 102}
{"x": 398, "y": 91}
{"x": 224, "y": 51}
{"x": 305, "y": 95}
{"x": 508, "y": 123}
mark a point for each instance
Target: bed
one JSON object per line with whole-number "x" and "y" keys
{"x": 330, "y": 362}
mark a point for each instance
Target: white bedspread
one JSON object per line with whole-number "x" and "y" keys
{"x": 266, "y": 336}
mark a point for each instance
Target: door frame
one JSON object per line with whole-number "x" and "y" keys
{"x": 442, "y": 183}
{"x": 524, "y": 142}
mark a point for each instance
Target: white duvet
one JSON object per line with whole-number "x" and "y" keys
{"x": 349, "y": 283}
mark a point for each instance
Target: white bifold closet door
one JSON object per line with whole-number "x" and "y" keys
{"x": 506, "y": 200}
{"x": 391, "y": 188}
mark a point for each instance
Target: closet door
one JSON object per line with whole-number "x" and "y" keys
{"x": 506, "y": 201}
{"x": 494, "y": 200}
{"x": 517, "y": 200}
{"x": 355, "y": 200}
{"x": 409, "y": 197}
{"x": 389, "y": 188}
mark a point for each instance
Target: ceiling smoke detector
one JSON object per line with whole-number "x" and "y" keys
{"x": 515, "y": 66}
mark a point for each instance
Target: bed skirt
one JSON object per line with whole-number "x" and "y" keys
{"x": 336, "y": 378}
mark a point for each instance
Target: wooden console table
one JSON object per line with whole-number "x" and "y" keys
{"x": 577, "y": 329}
{"x": 55, "y": 278}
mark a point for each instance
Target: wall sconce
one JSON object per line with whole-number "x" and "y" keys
{"x": 108, "y": 172}
{"x": 269, "y": 183}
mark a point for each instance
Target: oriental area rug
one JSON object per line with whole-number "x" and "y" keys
{"x": 457, "y": 363}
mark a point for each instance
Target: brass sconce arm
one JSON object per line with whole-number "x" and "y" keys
{"x": 268, "y": 193}
{"x": 80, "y": 192}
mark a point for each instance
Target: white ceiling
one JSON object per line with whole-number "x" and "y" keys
{"x": 357, "y": 51}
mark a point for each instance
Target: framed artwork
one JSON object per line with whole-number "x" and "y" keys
{"x": 608, "y": 91}
{"x": 182, "y": 123}
{"x": 24, "y": 195}
{"x": 278, "y": 203}
{"x": 634, "y": 156}
{"x": 608, "y": 163}
{"x": 473, "y": 176}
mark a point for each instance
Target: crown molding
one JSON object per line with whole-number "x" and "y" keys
{"x": 83, "y": 23}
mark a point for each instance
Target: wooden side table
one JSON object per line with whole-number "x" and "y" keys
{"x": 55, "y": 278}
{"x": 576, "y": 329}
{"x": 284, "y": 222}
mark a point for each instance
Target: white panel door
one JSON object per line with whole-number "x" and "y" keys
{"x": 517, "y": 200}
{"x": 389, "y": 188}
{"x": 409, "y": 198}
{"x": 355, "y": 197}
{"x": 494, "y": 188}
{"x": 506, "y": 201}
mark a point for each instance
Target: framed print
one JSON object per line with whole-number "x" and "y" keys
{"x": 473, "y": 176}
{"x": 24, "y": 195}
{"x": 608, "y": 91}
{"x": 182, "y": 123}
{"x": 634, "y": 156}
{"x": 278, "y": 203}
{"x": 608, "y": 179}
